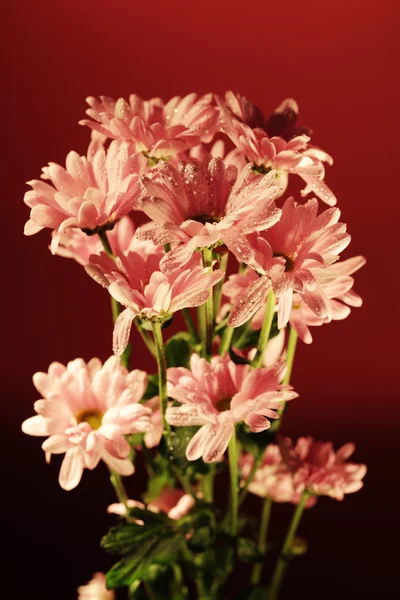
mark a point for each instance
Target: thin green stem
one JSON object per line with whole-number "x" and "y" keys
{"x": 245, "y": 489}
{"x": 106, "y": 244}
{"x": 146, "y": 339}
{"x": 226, "y": 340}
{"x": 190, "y": 325}
{"x": 265, "y": 330}
{"x": 151, "y": 595}
{"x": 184, "y": 481}
{"x": 291, "y": 351}
{"x": 209, "y": 310}
{"x": 285, "y": 555}
{"x": 223, "y": 263}
{"x": 162, "y": 373}
{"x": 207, "y": 485}
{"x": 119, "y": 488}
{"x": 233, "y": 468}
{"x": 262, "y": 539}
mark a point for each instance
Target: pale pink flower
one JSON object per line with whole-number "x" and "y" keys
{"x": 87, "y": 410}
{"x": 217, "y": 395}
{"x": 338, "y": 292}
{"x": 293, "y": 256}
{"x": 96, "y": 589}
{"x": 201, "y": 204}
{"x": 318, "y": 469}
{"x": 79, "y": 246}
{"x": 91, "y": 193}
{"x": 155, "y": 129}
{"x": 135, "y": 281}
{"x": 287, "y": 152}
{"x": 273, "y": 478}
{"x": 173, "y": 501}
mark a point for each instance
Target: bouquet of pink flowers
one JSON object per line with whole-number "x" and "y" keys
{"x": 207, "y": 177}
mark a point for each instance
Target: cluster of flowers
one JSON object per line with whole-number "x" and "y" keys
{"x": 210, "y": 175}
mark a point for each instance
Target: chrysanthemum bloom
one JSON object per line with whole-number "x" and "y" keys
{"x": 273, "y": 478}
{"x": 293, "y": 256}
{"x": 91, "y": 193}
{"x": 288, "y": 152}
{"x": 96, "y": 589}
{"x": 218, "y": 395}
{"x": 201, "y": 204}
{"x": 136, "y": 282}
{"x": 79, "y": 246}
{"x": 174, "y": 502}
{"x": 87, "y": 409}
{"x": 319, "y": 470}
{"x": 338, "y": 292}
{"x": 156, "y": 130}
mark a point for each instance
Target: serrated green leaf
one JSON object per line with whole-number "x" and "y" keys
{"x": 125, "y": 537}
{"x": 178, "y": 350}
{"x": 248, "y": 551}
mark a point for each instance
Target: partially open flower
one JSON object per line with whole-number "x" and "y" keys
{"x": 320, "y": 470}
{"x": 91, "y": 193}
{"x": 218, "y": 395}
{"x": 273, "y": 478}
{"x": 173, "y": 501}
{"x": 96, "y": 589}
{"x": 87, "y": 410}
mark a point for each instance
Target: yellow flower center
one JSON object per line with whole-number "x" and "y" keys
{"x": 289, "y": 267}
{"x": 93, "y": 418}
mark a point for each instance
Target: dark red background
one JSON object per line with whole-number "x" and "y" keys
{"x": 338, "y": 60}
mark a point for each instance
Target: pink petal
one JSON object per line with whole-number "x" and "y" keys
{"x": 71, "y": 469}
{"x": 122, "y": 331}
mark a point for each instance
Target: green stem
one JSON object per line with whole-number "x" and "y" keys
{"x": 291, "y": 350}
{"x": 265, "y": 330}
{"x": 209, "y": 310}
{"x": 233, "y": 468}
{"x": 262, "y": 539}
{"x": 245, "y": 489}
{"x": 146, "y": 339}
{"x": 184, "y": 481}
{"x": 162, "y": 373}
{"x": 223, "y": 263}
{"x": 190, "y": 325}
{"x": 119, "y": 488}
{"x": 282, "y": 563}
{"x": 106, "y": 244}
{"x": 208, "y": 485}
{"x": 226, "y": 340}
{"x": 151, "y": 595}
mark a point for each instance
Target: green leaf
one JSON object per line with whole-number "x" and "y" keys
{"x": 135, "y": 565}
{"x": 201, "y": 539}
{"x": 150, "y": 518}
{"x": 178, "y": 350}
{"x": 161, "y": 478}
{"x": 125, "y": 537}
{"x": 152, "y": 387}
{"x": 248, "y": 551}
{"x": 175, "y": 452}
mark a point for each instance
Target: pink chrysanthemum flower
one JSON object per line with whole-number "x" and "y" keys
{"x": 218, "y": 395}
{"x": 79, "y": 246}
{"x": 293, "y": 256}
{"x": 273, "y": 478}
{"x": 338, "y": 292}
{"x": 136, "y": 282}
{"x": 158, "y": 131}
{"x": 174, "y": 502}
{"x": 96, "y": 589}
{"x": 287, "y": 154}
{"x": 318, "y": 469}
{"x": 91, "y": 193}
{"x": 87, "y": 410}
{"x": 201, "y": 204}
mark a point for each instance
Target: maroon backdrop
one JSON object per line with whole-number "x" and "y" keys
{"x": 338, "y": 60}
